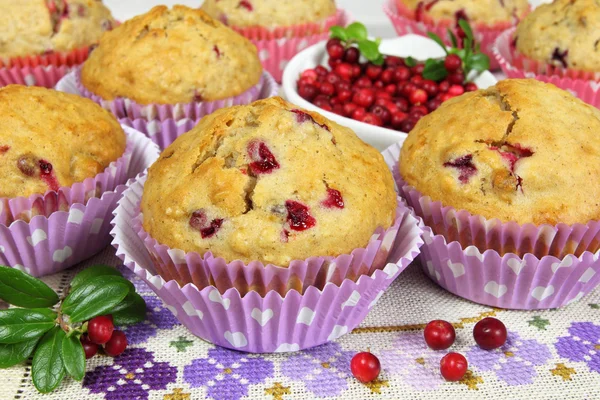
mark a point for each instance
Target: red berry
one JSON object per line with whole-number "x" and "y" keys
{"x": 322, "y": 101}
{"x": 344, "y": 71}
{"x": 364, "y": 97}
{"x": 418, "y": 69}
{"x": 356, "y": 71}
{"x": 490, "y": 333}
{"x": 408, "y": 89}
{"x": 417, "y": 80}
{"x": 327, "y": 89}
{"x": 381, "y": 112}
{"x": 338, "y": 109}
{"x": 333, "y": 78}
{"x": 100, "y": 329}
{"x": 373, "y": 71}
{"x": 470, "y": 87}
{"x": 452, "y": 62}
{"x": 349, "y": 109}
{"x": 418, "y": 111}
{"x": 443, "y": 86}
{"x": 401, "y": 74}
{"x": 310, "y": 74}
{"x": 398, "y": 118}
{"x": 456, "y": 78}
{"x": 393, "y": 61}
{"x": 89, "y": 347}
{"x": 402, "y": 104}
{"x": 387, "y": 76}
{"x": 351, "y": 55}
{"x": 382, "y": 94}
{"x": 408, "y": 124}
{"x": 363, "y": 82}
{"x": 391, "y": 89}
{"x": 446, "y": 96}
{"x": 343, "y": 85}
{"x": 418, "y": 96}
{"x": 321, "y": 70}
{"x": 308, "y": 92}
{"x": 344, "y": 95}
{"x": 433, "y": 104}
{"x": 359, "y": 113}
{"x": 332, "y": 63}
{"x": 333, "y": 41}
{"x": 372, "y": 119}
{"x": 335, "y": 51}
{"x": 430, "y": 87}
{"x": 453, "y": 366}
{"x": 365, "y": 367}
{"x": 439, "y": 335}
{"x": 116, "y": 345}
{"x": 456, "y": 90}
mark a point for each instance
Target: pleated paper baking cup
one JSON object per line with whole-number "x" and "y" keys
{"x": 461, "y": 226}
{"x": 271, "y": 322}
{"x": 276, "y": 52}
{"x": 40, "y": 70}
{"x": 405, "y": 24}
{"x": 126, "y": 108}
{"x": 47, "y": 244}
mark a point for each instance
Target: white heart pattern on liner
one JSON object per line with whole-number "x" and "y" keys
{"x": 262, "y": 317}
{"x": 236, "y": 339}
{"x": 305, "y": 316}
{"x": 37, "y": 236}
{"x": 172, "y": 309}
{"x": 391, "y": 270}
{"x": 330, "y": 272}
{"x": 22, "y": 268}
{"x": 457, "y": 268}
{"x": 75, "y": 217}
{"x": 594, "y": 85}
{"x": 287, "y": 347}
{"x": 566, "y": 262}
{"x": 61, "y": 255}
{"x": 576, "y": 298}
{"x": 153, "y": 128}
{"x": 540, "y": 293}
{"x": 427, "y": 238}
{"x": 263, "y": 55}
{"x": 376, "y": 299}
{"x": 516, "y": 265}
{"x": 1, "y": 249}
{"x": 96, "y": 225}
{"x": 215, "y": 297}
{"x": 156, "y": 281}
{"x": 302, "y": 45}
{"x": 191, "y": 310}
{"x": 337, "y": 331}
{"x": 473, "y": 251}
{"x": 432, "y": 271}
{"x": 496, "y": 290}
{"x": 352, "y": 300}
{"x": 587, "y": 275}
{"x": 29, "y": 80}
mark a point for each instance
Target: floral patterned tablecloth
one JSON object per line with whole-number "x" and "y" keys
{"x": 553, "y": 354}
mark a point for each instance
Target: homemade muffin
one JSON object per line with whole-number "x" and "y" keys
{"x": 564, "y": 33}
{"x": 269, "y": 13}
{"x": 487, "y": 12}
{"x": 268, "y": 182}
{"x": 32, "y": 27}
{"x": 522, "y": 151}
{"x": 171, "y": 56}
{"x": 50, "y": 139}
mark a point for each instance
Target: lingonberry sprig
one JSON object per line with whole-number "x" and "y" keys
{"x": 356, "y": 33}
{"x": 61, "y": 333}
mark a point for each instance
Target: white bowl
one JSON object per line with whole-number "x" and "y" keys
{"x": 418, "y": 47}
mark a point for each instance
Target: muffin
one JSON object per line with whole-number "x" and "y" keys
{"x": 239, "y": 185}
{"x": 51, "y": 139}
{"x": 171, "y": 56}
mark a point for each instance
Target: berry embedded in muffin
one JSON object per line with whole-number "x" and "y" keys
{"x": 565, "y": 33}
{"x": 268, "y": 182}
{"x": 171, "y": 56}
{"x": 522, "y": 151}
{"x": 269, "y": 13}
{"x": 35, "y": 27}
{"x": 487, "y": 12}
{"x": 50, "y": 139}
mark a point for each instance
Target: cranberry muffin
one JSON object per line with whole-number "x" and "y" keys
{"x": 37, "y": 27}
{"x": 564, "y": 34}
{"x": 268, "y": 182}
{"x": 50, "y": 139}
{"x": 170, "y": 56}
{"x": 488, "y": 12}
{"x": 269, "y": 13}
{"x": 522, "y": 151}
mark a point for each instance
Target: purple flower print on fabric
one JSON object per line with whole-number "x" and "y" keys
{"x": 583, "y": 344}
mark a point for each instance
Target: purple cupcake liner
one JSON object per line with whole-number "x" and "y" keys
{"x": 269, "y": 323}
{"x": 127, "y": 108}
{"x": 505, "y": 281}
{"x": 48, "y": 244}
{"x": 207, "y": 270}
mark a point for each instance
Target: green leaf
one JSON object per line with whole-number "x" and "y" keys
{"x": 453, "y": 38}
{"x": 369, "y": 50}
{"x": 357, "y": 31}
{"x": 466, "y": 29}
{"x": 19, "y": 289}
{"x": 48, "y": 369}
{"x": 478, "y": 62}
{"x": 434, "y": 70}
{"x": 95, "y": 297}
{"x": 410, "y": 62}
{"x": 73, "y": 357}
{"x": 438, "y": 40}
{"x": 92, "y": 272}
{"x": 21, "y": 324}
{"x": 130, "y": 311}
{"x": 378, "y": 61}
{"x": 338, "y": 32}
{"x": 13, "y": 354}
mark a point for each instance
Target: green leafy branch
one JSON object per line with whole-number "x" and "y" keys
{"x": 356, "y": 33}
{"x": 50, "y": 329}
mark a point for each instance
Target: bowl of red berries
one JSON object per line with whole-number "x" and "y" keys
{"x": 381, "y": 88}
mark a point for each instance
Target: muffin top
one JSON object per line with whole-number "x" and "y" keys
{"x": 269, "y": 13}
{"x": 483, "y": 11}
{"x": 171, "y": 56}
{"x": 32, "y": 27}
{"x": 268, "y": 182}
{"x": 522, "y": 151}
{"x": 564, "y": 33}
{"x": 50, "y": 139}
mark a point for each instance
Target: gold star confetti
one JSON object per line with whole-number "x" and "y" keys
{"x": 420, "y": 360}
{"x": 278, "y": 390}
{"x": 177, "y": 395}
{"x": 471, "y": 380}
{"x": 325, "y": 365}
{"x": 130, "y": 375}
{"x": 563, "y": 371}
{"x": 376, "y": 385}
{"x": 509, "y": 354}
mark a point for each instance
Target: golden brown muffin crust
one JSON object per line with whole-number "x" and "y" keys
{"x": 171, "y": 56}
{"x": 50, "y": 139}
{"x": 246, "y": 179}
{"x": 521, "y": 151}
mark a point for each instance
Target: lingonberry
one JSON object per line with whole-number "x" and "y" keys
{"x": 90, "y": 348}
{"x": 452, "y": 62}
{"x": 363, "y": 82}
{"x": 371, "y": 119}
{"x": 381, "y": 112}
{"x": 351, "y": 55}
{"x": 356, "y": 71}
{"x": 402, "y": 104}
{"x": 408, "y": 89}
{"x": 363, "y": 97}
{"x": 456, "y": 90}
{"x": 393, "y": 61}
{"x": 490, "y": 333}
{"x": 343, "y": 85}
{"x": 398, "y": 118}
{"x": 359, "y": 113}
{"x": 333, "y": 78}
{"x": 373, "y": 71}
{"x": 418, "y": 111}
{"x": 470, "y": 87}
{"x": 338, "y": 109}
{"x": 344, "y": 95}
{"x": 327, "y": 89}
{"x": 418, "y": 69}
{"x": 391, "y": 89}
{"x": 116, "y": 345}
{"x": 430, "y": 87}
{"x": 100, "y": 329}
{"x": 433, "y": 104}
{"x": 349, "y": 109}
{"x": 453, "y": 366}
{"x": 439, "y": 335}
{"x": 307, "y": 92}
{"x": 344, "y": 71}
{"x": 456, "y": 78}
{"x": 309, "y": 74}
{"x": 407, "y": 125}
{"x": 365, "y": 367}
{"x": 321, "y": 70}
{"x": 387, "y": 76}
{"x": 335, "y": 51}
{"x": 443, "y": 86}
{"x": 401, "y": 74}
{"x": 379, "y": 84}
{"x": 418, "y": 96}
{"x": 417, "y": 80}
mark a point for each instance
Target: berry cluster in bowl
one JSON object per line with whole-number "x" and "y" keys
{"x": 384, "y": 90}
